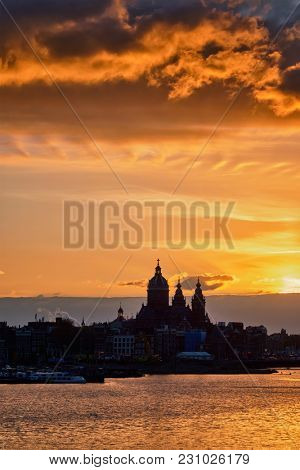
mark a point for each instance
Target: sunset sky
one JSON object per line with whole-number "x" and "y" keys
{"x": 150, "y": 81}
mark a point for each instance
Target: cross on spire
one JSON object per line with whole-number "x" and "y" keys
{"x": 158, "y": 268}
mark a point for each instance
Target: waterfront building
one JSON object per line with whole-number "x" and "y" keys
{"x": 7, "y": 343}
{"x": 164, "y": 327}
{"x": 123, "y": 346}
{"x": 256, "y": 341}
{"x": 23, "y": 345}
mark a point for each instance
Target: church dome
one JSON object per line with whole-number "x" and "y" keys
{"x": 158, "y": 281}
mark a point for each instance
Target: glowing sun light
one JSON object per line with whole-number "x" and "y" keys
{"x": 290, "y": 285}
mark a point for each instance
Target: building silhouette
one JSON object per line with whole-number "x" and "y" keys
{"x": 164, "y": 327}
{"x": 159, "y": 312}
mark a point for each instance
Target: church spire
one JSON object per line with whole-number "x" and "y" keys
{"x": 198, "y": 306}
{"x": 178, "y": 299}
{"x": 120, "y": 311}
{"x": 198, "y": 292}
{"x": 158, "y": 268}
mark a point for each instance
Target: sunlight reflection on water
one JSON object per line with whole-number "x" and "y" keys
{"x": 155, "y": 412}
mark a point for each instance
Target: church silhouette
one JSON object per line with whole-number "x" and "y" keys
{"x": 178, "y": 314}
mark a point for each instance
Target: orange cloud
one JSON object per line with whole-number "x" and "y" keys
{"x": 185, "y": 53}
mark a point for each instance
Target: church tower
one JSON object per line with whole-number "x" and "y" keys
{"x": 158, "y": 291}
{"x": 178, "y": 299}
{"x": 199, "y": 316}
{"x": 120, "y": 313}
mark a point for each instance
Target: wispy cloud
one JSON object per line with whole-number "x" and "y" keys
{"x": 136, "y": 283}
{"x": 208, "y": 281}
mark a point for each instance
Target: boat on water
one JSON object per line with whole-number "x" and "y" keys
{"x": 39, "y": 377}
{"x": 56, "y": 378}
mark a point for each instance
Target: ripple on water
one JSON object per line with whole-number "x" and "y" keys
{"x": 155, "y": 412}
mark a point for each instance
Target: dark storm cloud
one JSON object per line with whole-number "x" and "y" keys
{"x": 184, "y": 45}
{"x": 159, "y": 8}
{"x": 277, "y": 13}
{"x": 35, "y": 15}
{"x": 290, "y": 53}
{"x": 291, "y": 81}
{"x": 88, "y": 38}
{"x": 183, "y": 12}
{"x": 211, "y": 48}
{"x": 289, "y": 44}
{"x": 111, "y": 34}
{"x": 48, "y": 11}
{"x": 85, "y": 37}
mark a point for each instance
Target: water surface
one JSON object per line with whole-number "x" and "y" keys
{"x": 155, "y": 412}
